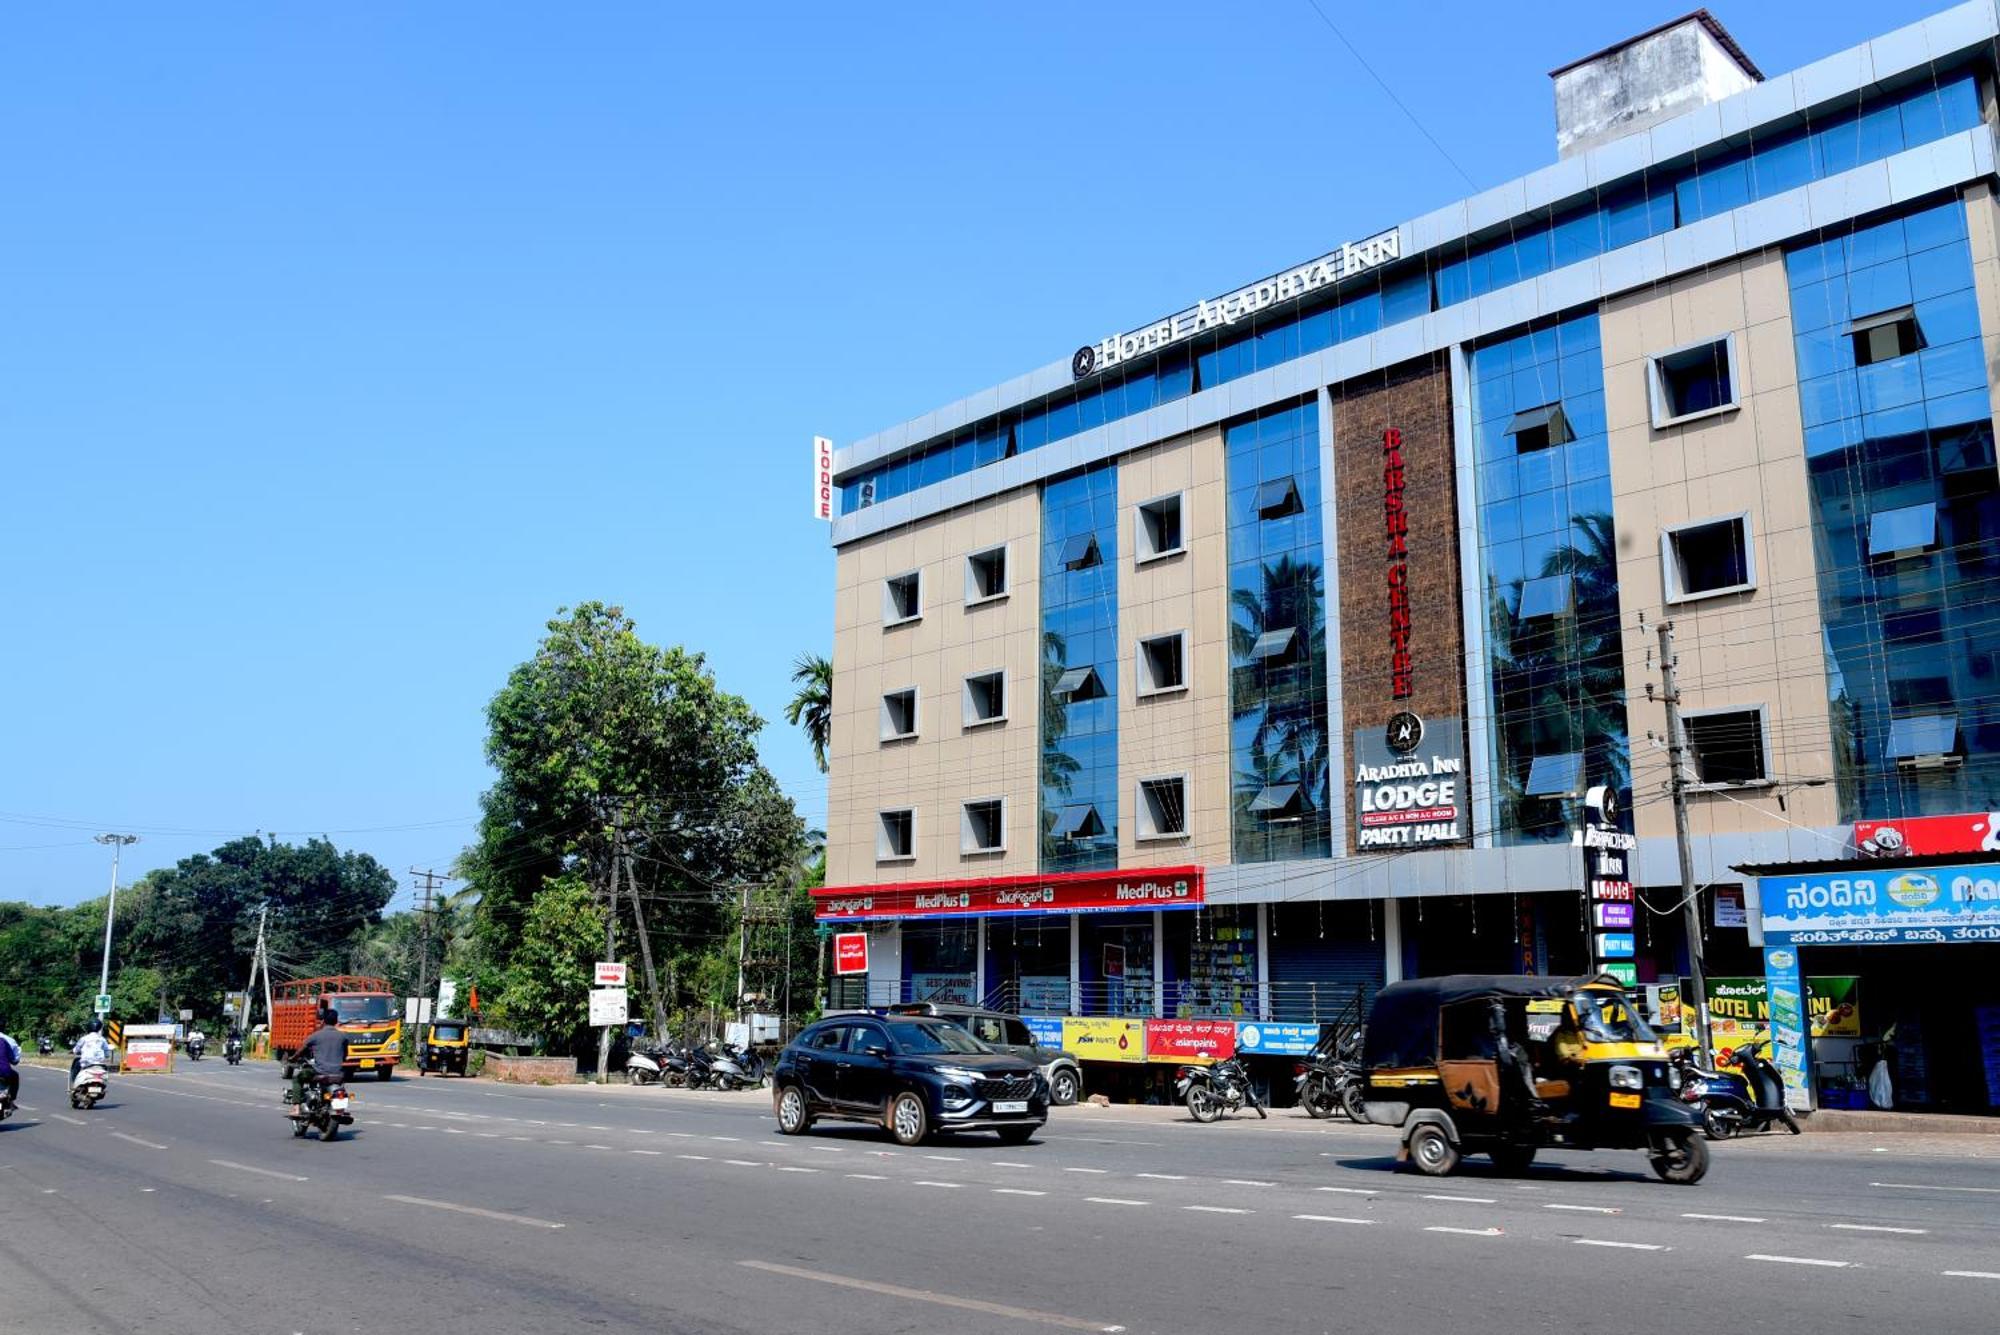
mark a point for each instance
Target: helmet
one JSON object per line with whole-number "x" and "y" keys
{"x": 96, "y": 1026}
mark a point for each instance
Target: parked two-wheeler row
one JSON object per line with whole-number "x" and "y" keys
{"x": 724, "y": 1066}
{"x": 1330, "y": 1080}
{"x": 1211, "y": 1091}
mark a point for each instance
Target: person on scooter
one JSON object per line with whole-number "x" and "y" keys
{"x": 10, "y": 1077}
{"x": 91, "y": 1049}
{"x": 324, "y": 1054}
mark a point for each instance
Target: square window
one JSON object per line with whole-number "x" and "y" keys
{"x": 896, "y": 835}
{"x": 1078, "y": 821}
{"x": 1278, "y": 498}
{"x": 1924, "y": 741}
{"x": 1904, "y": 532}
{"x": 985, "y": 698}
{"x": 1162, "y": 663}
{"x": 1555, "y": 776}
{"x": 1538, "y": 428}
{"x": 1693, "y": 382}
{"x": 1885, "y": 335}
{"x": 982, "y": 826}
{"x": 1163, "y": 808}
{"x": 1159, "y": 529}
{"x": 1077, "y": 684}
{"x": 1279, "y": 802}
{"x": 902, "y": 598}
{"x": 1725, "y": 746}
{"x": 986, "y": 575}
{"x": 1546, "y": 596}
{"x": 899, "y": 714}
{"x": 1274, "y": 646}
{"x": 1707, "y": 560}
{"x": 1080, "y": 552}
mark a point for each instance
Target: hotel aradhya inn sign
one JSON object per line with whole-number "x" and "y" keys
{"x": 1352, "y": 258}
{"x": 1080, "y": 892}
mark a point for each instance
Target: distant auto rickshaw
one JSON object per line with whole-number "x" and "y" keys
{"x": 1507, "y": 1065}
{"x": 444, "y": 1049}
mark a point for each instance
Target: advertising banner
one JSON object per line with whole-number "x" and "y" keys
{"x": 1047, "y": 1029}
{"x": 1863, "y": 905}
{"x": 1045, "y": 994}
{"x": 1196, "y": 1042}
{"x": 609, "y": 1006}
{"x": 1739, "y": 1010}
{"x": 1971, "y": 832}
{"x": 1729, "y": 910}
{"x": 148, "y": 1054}
{"x": 822, "y": 478}
{"x": 850, "y": 952}
{"x": 1607, "y": 884}
{"x": 1105, "y": 1040}
{"x": 1279, "y": 1040}
{"x": 1409, "y": 783}
{"x": 954, "y": 988}
{"x": 1788, "y": 1022}
{"x": 1067, "y": 892}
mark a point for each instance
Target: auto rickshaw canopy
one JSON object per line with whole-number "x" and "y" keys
{"x": 1403, "y": 1023}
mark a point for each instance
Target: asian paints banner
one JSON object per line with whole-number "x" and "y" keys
{"x": 1194, "y": 1041}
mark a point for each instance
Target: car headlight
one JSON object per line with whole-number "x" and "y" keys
{"x": 956, "y": 1096}
{"x": 958, "y": 1073}
{"x": 1627, "y": 1077}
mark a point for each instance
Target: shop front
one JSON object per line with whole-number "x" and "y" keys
{"x": 1885, "y": 964}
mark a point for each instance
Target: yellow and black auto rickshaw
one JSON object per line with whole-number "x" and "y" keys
{"x": 444, "y": 1049}
{"x": 1506, "y": 1065}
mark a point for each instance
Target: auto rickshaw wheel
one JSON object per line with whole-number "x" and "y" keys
{"x": 1431, "y": 1150}
{"x": 1512, "y": 1160}
{"x": 1681, "y": 1159}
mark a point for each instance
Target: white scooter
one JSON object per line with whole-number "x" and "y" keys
{"x": 86, "y": 1087}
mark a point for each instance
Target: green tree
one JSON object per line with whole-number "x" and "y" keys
{"x": 547, "y": 986}
{"x": 811, "y": 707}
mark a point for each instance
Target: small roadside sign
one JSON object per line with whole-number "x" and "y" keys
{"x": 610, "y": 974}
{"x": 104, "y": 1003}
{"x": 850, "y": 953}
{"x": 609, "y": 1006}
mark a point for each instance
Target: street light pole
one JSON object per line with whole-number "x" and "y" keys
{"x": 117, "y": 842}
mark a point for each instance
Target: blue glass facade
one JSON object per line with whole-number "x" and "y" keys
{"x": 1906, "y": 512}
{"x": 1079, "y": 703}
{"x": 1277, "y": 638}
{"x": 1549, "y": 572}
{"x": 1616, "y": 215}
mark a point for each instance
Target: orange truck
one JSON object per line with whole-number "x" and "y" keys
{"x": 366, "y": 1010}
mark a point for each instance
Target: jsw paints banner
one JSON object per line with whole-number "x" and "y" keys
{"x": 1104, "y": 1040}
{"x": 1080, "y": 892}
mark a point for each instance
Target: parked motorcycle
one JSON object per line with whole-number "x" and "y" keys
{"x": 232, "y": 1051}
{"x": 738, "y": 1068}
{"x": 324, "y": 1110}
{"x": 657, "y": 1064}
{"x": 87, "y": 1086}
{"x": 1750, "y": 1098}
{"x": 1329, "y": 1081}
{"x": 1210, "y": 1091}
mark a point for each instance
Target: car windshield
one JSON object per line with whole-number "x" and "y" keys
{"x": 933, "y": 1037}
{"x": 361, "y": 1008}
{"x": 1606, "y": 1018}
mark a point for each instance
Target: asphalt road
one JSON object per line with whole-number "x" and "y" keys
{"x": 184, "y": 1204}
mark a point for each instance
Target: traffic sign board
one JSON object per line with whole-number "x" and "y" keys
{"x": 610, "y": 974}
{"x": 104, "y": 1003}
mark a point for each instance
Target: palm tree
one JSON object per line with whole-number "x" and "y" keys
{"x": 812, "y": 706}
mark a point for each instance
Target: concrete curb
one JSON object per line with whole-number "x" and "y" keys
{"x": 1878, "y": 1123}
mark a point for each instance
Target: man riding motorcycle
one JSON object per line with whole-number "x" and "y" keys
{"x": 91, "y": 1049}
{"x": 324, "y": 1054}
{"x": 10, "y": 1078}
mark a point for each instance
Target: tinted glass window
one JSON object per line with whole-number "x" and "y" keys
{"x": 929, "y": 1038}
{"x": 829, "y": 1039}
{"x": 1013, "y": 1031}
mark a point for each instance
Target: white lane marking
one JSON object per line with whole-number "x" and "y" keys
{"x": 937, "y": 1299}
{"x": 866, "y": 1177}
{"x": 1586, "y": 1209}
{"x": 1468, "y": 1232}
{"x": 1003, "y": 1163}
{"x": 1247, "y": 1182}
{"x": 826, "y": 1149}
{"x": 1350, "y": 1191}
{"x": 1163, "y": 1177}
{"x": 597, "y": 1147}
{"x": 261, "y": 1172}
{"x": 1216, "y": 1209}
{"x": 743, "y": 1163}
{"x": 453, "y": 1131}
{"x": 1876, "y": 1228}
{"x": 1464, "y": 1200}
{"x": 1925, "y": 1186}
{"x": 652, "y": 1152}
{"x": 500, "y": 1215}
{"x": 1628, "y": 1246}
{"x": 147, "y": 1191}
{"x": 487, "y": 1135}
{"x": 683, "y": 1135}
{"x": 1111, "y": 1200}
{"x": 1099, "y": 1171}
{"x": 946, "y": 1158}
{"x": 65, "y": 1117}
{"x": 775, "y": 1144}
{"x": 546, "y": 1142}
{"x": 954, "y": 1186}
{"x": 700, "y": 1157}
{"x": 520, "y": 1137}
{"x": 1798, "y": 1260}
{"x": 1972, "y": 1274}
{"x": 1017, "y": 1191}
{"x": 787, "y": 1168}
{"x": 1331, "y": 1219}
{"x": 1727, "y": 1218}
{"x": 732, "y": 1138}
{"x": 149, "y": 1144}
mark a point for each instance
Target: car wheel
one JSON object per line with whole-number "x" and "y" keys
{"x": 1064, "y": 1088}
{"x": 1017, "y": 1135}
{"x": 1431, "y": 1150}
{"x": 909, "y": 1121}
{"x": 793, "y": 1119}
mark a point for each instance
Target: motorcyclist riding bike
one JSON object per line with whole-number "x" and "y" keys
{"x": 197, "y": 1042}
{"x": 91, "y": 1049}
{"x": 10, "y": 1078}
{"x": 324, "y": 1055}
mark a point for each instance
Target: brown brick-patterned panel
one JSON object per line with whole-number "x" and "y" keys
{"x": 1415, "y": 400}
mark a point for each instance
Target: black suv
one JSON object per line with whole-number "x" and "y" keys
{"x": 1008, "y": 1033}
{"x": 913, "y": 1075}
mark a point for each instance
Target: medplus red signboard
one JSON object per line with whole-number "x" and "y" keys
{"x": 1072, "y": 892}
{"x": 850, "y": 952}
{"x": 1190, "y": 1040}
{"x": 1972, "y": 832}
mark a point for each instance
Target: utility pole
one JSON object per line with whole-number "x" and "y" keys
{"x": 117, "y": 842}
{"x": 1677, "y": 781}
{"x": 624, "y": 856}
{"x": 610, "y": 953}
{"x": 256, "y": 960}
{"x": 431, "y": 881}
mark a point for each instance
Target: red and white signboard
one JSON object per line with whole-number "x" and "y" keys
{"x": 1192, "y": 1041}
{"x": 1972, "y": 832}
{"x": 850, "y": 952}
{"x": 822, "y": 478}
{"x": 1071, "y": 892}
{"x": 148, "y": 1054}
{"x": 610, "y": 974}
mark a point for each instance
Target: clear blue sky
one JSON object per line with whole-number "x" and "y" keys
{"x": 340, "y": 345}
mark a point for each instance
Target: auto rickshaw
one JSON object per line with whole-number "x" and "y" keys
{"x": 1507, "y": 1065}
{"x": 444, "y": 1049}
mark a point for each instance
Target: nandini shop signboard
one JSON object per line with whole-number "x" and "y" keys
{"x": 1077, "y": 892}
{"x": 1862, "y": 905}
